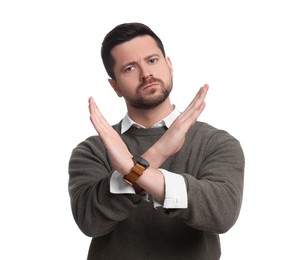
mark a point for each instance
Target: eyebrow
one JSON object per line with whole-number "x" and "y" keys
{"x": 152, "y": 55}
{"x": 134, "y": 62}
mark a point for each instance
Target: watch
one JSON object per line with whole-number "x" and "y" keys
{"x": 137, "y": 170}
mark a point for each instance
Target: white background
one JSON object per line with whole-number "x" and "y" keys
{"x": 252, "y": 55}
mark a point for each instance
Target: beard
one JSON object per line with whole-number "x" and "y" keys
{"x": 153, "y": 97}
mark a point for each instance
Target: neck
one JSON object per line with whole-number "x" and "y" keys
{"x": 149, "y": 117}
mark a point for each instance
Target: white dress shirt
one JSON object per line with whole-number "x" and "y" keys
{"x": 175, "y": 186}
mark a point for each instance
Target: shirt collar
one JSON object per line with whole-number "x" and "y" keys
{"x": 127, "y": 122}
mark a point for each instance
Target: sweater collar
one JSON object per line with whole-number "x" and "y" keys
{"x": 127, "y": 122}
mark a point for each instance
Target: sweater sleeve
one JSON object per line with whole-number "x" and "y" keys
{"x": 215, "y": 189}
{"x": 95, "y": 210}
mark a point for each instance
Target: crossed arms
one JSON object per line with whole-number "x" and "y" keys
{"x": 214, "y": 177}
{"x": 152, "y": 181}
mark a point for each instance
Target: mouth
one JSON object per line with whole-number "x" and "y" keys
{"x": 149, "y": 85}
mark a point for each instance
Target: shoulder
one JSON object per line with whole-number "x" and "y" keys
{"x": 91, "y": 145}
{"x": 94, "y": 143}
{"x": 217, "y": 143}
{"x": 207, "y": 130}
{"x": 214, "y": 137}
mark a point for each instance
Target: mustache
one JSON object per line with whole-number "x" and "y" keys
{"x": 150, "y": 80}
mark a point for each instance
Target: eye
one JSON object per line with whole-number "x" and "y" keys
{"x": 129, "y": 68}
{"x": 153, "y": 60}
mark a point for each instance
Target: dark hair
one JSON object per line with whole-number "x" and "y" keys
{"x": 120, "y": 34}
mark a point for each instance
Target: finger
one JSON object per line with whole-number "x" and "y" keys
{"x": 192, "y": 112}
{"x": 97, "y": 119}
{"x": 94, "y": 118}
{"x": 200, "y": 96}
{"x": 94, "y": 110}
{"x": 197, "y": 104}
{"x": 91, "y": 105}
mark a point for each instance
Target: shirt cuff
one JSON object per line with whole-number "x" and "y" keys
{"x": 175, "y": 191}
{"x": 118, "y": 185}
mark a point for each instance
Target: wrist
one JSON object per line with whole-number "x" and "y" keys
{"x": 136, "y": 171}
{"x": 127, "y": 167}
{"x": 155, "y": 156}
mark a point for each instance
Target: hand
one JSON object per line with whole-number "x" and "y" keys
{"x": 121, "y": 158}
{"x": 118, "y": 153}
{"x": 173, "y": 139}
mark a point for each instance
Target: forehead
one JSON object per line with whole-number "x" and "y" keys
{"x": 138, "y": 47}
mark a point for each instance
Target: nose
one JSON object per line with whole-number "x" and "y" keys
{"x": 145, "y": 73}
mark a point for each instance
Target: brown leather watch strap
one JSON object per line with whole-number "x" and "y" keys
{"x": 135, "y": 173}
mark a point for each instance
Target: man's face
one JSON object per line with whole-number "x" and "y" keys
{"x": 143, "y": 76}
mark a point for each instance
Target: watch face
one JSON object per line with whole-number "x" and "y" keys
{"x": 140, "y": 160}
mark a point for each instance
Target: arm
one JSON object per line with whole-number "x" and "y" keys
{"x": 152, "y": 180}
{"x": 173, "y": 139}
{"x": 95, "y": 210}
{"x": 214, "y": 184}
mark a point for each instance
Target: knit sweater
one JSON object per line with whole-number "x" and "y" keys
{"x": 125, "y": 226}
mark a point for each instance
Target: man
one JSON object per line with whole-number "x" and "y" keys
{"x": 159, "y": 184}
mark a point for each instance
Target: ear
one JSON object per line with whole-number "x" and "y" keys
{"x": 169, "y": 63}
{"x": 115, "y": 87}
